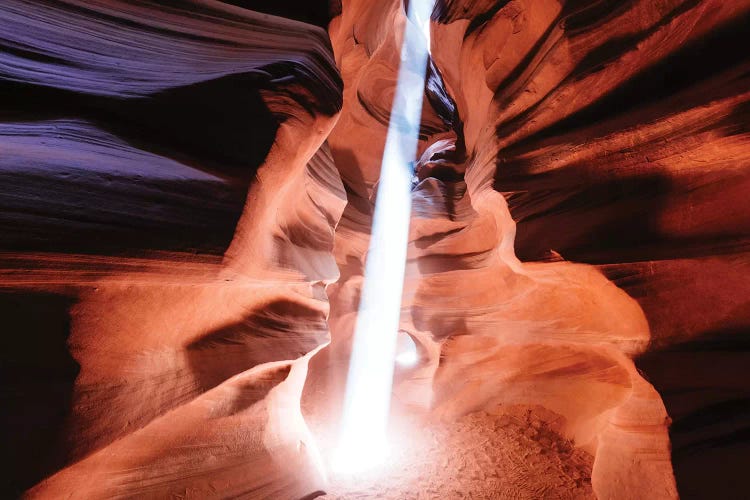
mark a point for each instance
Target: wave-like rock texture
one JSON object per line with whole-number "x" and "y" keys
{"x": 186, "y": 201}
{"x": 623, "y": 142}
{"x": 559, "y": 132}
{"x": 168, "y": 208}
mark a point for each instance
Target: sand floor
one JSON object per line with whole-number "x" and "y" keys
{"x": 516, "y": 454}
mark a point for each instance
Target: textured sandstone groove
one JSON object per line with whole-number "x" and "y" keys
{"x": 186, "y": 195}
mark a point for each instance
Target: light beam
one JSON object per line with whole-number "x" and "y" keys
{"x": 363, "y": 438}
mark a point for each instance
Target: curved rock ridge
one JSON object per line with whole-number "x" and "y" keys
{"x": 568, "y": 115}
{"x": 620, "y": 139}
{"x": 167, "y": 348}
{"x": 81, "y": 46}
{"x": 128, "y": 104}
{"x": 54, "y": 171}
{"x": 554, "y": 334}
{"x": 192, "y": 372}
{"x": 141, "y": 143}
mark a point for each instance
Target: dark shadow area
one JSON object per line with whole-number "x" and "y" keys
{"x": 594, "y": 222}
{"x": 619, "y": 215}
{"x": 694, "y": 62}
{"x": 102, "y": 214}
{"x": 316, "y": 12}
{"x": 477, "y": 11}
{"x": 280, "y": 330}
{"x": 37, "y": 374}
{"x": 222, "y": 127}
{"x": 442, "y": 168}
{"x": 587, "y": 13}
{"x": 313, "y": 495}
{"x": 222, "y": 124}
{"x": 705, "y": 386}
{"x": 441, "y": 101}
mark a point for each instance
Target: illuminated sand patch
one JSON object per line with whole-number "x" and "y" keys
{"x": 516, "y": 453}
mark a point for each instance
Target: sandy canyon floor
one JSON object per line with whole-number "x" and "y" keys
{"x": 511, "y": 452}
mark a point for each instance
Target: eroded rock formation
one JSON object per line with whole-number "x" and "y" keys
{"x": 186, "y": 206}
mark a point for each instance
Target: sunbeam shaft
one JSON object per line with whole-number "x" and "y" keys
{"x": 368, "y": 393}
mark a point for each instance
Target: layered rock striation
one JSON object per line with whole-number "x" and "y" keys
{"x": 187, "y": 195}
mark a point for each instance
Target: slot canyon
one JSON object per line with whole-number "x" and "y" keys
{"x": 187, "y": 197}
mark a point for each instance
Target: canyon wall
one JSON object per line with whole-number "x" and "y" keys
{"x": 590, "y": 132}
{"x": 187, "y": 194}
{"x": 168, "y": 224}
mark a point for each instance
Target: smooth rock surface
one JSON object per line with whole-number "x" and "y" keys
{"x": 186, "y": 196}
